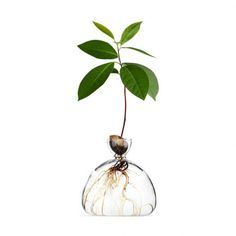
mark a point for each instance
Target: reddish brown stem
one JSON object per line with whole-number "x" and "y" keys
{"x": 124, "y": 121}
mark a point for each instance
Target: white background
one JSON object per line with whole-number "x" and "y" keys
{"x": 50, "y": 142}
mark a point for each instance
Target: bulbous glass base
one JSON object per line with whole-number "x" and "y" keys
{"x": 119, "y": 187}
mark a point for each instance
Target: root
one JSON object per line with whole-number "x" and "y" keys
{"x": 110, "y": 187}
{"x": 86, "y": 194}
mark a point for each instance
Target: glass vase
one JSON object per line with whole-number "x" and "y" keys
{"x": 118, "y": 187}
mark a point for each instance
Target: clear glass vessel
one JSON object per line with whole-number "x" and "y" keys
{"x": 119, "y": 187}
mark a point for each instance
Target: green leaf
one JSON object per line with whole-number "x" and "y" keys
{"x": 139, "y": 50}
{"x": 135, "y": 80}
{"x": 130, "y": 32}
{"x": 104, "y": 29}
{"x": 115, "y": 71}
{"x": 99, "y": 49}
{"x": 94, "y": 79}
{"x": 153, "y": 82}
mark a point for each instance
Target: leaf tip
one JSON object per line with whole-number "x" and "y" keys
{"x": 80, "y": 98}
{"x": 139, "y": 23}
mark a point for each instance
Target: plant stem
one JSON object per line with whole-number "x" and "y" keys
{"x": 124, "y": 121}
{"x": 125, "y": 98}
{"x": 118, "y": 52}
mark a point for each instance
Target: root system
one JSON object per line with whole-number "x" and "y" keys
{"x": 110, "y": 185}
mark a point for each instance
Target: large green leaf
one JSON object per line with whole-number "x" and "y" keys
{"x": 98, "y": 49}
{"x": 104, "y": 29}
{"x": 139, "y": 50}
{"x": 153, "y": 82}
{"x": 94, "y": 79}
{"x": 130, "y": 32}
{"x": 135, "y": 80}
